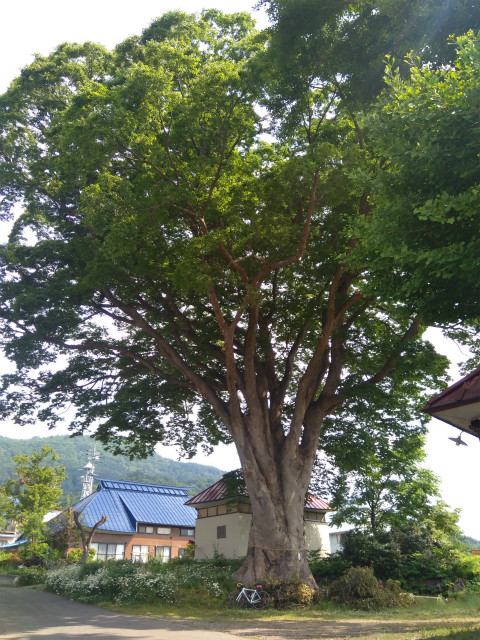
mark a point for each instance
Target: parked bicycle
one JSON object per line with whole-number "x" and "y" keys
{"x": 256, "y": 598}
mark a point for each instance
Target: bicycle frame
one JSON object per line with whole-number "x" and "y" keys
{"x": 249, "y": 597}
{"x": 248, "y": 594}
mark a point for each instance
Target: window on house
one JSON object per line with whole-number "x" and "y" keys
{"x": 314, "y": 516}
{"x": 146, "y": 528}
{"x": 164, "y": 530}
{"x": 181, "y": 552}
{"x": 164, "y": 553}
{"x": 140, "y": 552}
{"x": 222, "y": 531}
{"x": 187, "y": 532}
{"x": 108, "y": 551}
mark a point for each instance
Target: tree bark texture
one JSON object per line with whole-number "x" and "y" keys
{"x": 87, "y": 535}
{"x": 276, "y": 544}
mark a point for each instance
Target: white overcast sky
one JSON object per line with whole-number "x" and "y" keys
{"x": 34, "y": 26}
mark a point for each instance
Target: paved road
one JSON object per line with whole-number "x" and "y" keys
{"x": 27, "y": 614}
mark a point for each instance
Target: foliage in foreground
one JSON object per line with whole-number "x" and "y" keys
{"x": 359, "y": 588}
{"x": 32, "y": 575}
{"x": 423, "y": 563}
{"x": 34, "y": 490}
{"x": 205, "y": 586}
{"x": 124, "y": 582}
{"x": 289, "y": 593}
{"x": 419, "y": 559}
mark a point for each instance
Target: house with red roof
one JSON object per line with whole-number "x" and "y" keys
{"x": 224, "y": 518}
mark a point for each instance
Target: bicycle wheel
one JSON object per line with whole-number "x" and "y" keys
{"x": 237, "y": 601}
{"x": 261, "y": 600}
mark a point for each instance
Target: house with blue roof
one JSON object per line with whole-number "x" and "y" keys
{"x": 143, "y": 520}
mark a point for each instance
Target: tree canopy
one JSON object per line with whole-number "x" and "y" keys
{"x": 422, "y": 238}
{"x": 344, "y": 43}
{"x": 177, "y": 274}
{"x": 388, "y": 488}
{"x": 371, "y": 459}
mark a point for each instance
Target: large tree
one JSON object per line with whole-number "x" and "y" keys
{"x": 178, "y": 276}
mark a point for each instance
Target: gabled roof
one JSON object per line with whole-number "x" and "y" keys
{"x": 128, "y": 503}
{"x": 314, "y": 502}
{"x": 216, "y": 492}
{"x": 212, "y": 493}
{"x": 459, "y": 404}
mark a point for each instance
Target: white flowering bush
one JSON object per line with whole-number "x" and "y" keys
{"x": 99, "y": 586}
{"x": 128, "y": 583}
{"x": 148, "y": 587}
{"x": 71, "y": 581}
{"x": 64, "y": 581}
{"x": 208, "y": 574}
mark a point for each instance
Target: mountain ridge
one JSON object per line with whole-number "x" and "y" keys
{"x": 72, "y": 452}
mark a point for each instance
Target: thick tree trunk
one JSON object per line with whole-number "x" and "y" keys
{"x": 276, "y": 551}
{"x": 276, "y": 545}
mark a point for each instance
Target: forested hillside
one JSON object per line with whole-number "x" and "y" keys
{"x": 73, "y": 454}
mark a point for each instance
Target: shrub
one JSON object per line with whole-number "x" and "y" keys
{"x": 35, "y": 554}
{"x": 127, "y": 582}
{"x": 9, "y": 561}
{"x": 211, "y": 575}
{"x": 144, "y": 586}
{"x": 99, "y": 587}
{"x": 64, "y": 581}
{"x": 359, "y": 588}
{"x": 32, "y": 575}
{"x": 413, "y": 555}
{"x": 329, "y": 568}
{"x": 6, "y": 557}
{"x": 289, "y": 593}
{"x": 76, "y": 555}
{"x": 381, "y": 551}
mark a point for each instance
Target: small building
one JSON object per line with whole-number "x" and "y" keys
{"x": 143, "y": 520}
{"x": 12, "y": 539}
{"x": 223, "y": 523}
{"x": 336, "y": 541}
{"x": 14, "y": 547}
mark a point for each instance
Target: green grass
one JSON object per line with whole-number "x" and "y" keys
{"x": 428, "y": 619}
{"x": 208, "y": 608}
{"x": 197, "y": 598}
{"x": 462, "y": 632}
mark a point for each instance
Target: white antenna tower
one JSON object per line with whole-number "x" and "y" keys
{"x": 89, "y": 468}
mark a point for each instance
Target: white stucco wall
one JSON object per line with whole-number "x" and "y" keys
{"x": 336, "y": 541}
{"x": 317, "y": 537}
{"x": 233, "y": 546}
{"x": 237, "y": 529}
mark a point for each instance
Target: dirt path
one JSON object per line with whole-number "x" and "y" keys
{"x": 333, "y": 629}
{"x": 28, "y": 613}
